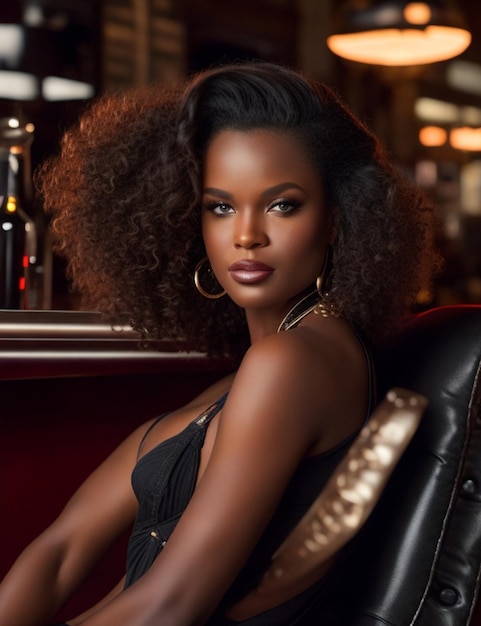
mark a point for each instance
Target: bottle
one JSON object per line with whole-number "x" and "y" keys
{"x": 18, "y": 239}
{"x": 14, "y": 260}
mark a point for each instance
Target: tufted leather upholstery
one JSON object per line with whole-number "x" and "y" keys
{"x": 417, "y": 561}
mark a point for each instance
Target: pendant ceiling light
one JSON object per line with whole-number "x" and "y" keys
{"x": 398, "y": 33}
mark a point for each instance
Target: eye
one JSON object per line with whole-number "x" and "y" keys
{"x": 219, "y": 208}
{"x": 284, "y": 206}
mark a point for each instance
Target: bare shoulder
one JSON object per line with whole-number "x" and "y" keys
{"x": 312, "y": 352}
{"x": 318, "y": 371}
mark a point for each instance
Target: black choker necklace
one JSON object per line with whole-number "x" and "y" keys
{"x": 300, "y": 310}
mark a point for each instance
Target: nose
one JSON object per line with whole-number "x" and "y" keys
{"x": 250, "y": 231}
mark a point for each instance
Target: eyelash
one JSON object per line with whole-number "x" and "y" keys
{"x": 213, "y": 207}
{"x": 291, "y": 205}
{"x": 217, "y": 207}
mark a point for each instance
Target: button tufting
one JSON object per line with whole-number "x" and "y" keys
{"x": 448, "y": 597}
{"x": 469, "y": 487}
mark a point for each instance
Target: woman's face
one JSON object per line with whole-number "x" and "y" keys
{"x": 264, "y": 219}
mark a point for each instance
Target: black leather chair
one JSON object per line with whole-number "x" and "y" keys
{"x": 417, "y": 560}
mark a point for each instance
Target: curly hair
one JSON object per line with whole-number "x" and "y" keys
{"x": 125, "y": 190}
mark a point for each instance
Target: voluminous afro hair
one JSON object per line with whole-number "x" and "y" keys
{"x": 125, "y": 190}
{"x": 123, "y": 216}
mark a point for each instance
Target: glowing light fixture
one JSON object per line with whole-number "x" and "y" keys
{"x": 433, "y": 136}
{"x": 56, "y": 88}
{"x": 466, "y": 138}
{"x": 397, "y": 32}
{"x": 18, "y": 85}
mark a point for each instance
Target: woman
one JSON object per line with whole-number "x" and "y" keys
{"x": 258, "y": 187}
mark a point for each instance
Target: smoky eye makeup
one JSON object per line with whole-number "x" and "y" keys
{"x": 217, "y": 207}
{"x": 285, "y": 206}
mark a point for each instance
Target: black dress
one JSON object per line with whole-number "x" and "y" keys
{"x": 164, "y": 480}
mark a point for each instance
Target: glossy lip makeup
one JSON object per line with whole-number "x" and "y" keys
{"x": 250, "y": 272}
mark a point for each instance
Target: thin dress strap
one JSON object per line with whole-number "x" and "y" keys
{"x": 203, "y": 419}
{"x": 145, "y": 435}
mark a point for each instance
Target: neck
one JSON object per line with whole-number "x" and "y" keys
{"x": 267, "y": 322}
{"x": 262, "y": 323}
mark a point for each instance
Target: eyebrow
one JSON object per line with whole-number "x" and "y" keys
{"x": 221, "y": 193}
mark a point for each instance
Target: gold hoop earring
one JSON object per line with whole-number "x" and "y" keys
{"x": 210, "y": 276}
{"x": 321, "y": 279}
{"x": 325, "y": 307}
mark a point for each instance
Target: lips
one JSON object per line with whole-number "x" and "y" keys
{"x": 250, "y": 272}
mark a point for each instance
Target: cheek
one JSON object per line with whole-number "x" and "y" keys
{"x": 215, "y": 236}
{"x": 304, "y": 239}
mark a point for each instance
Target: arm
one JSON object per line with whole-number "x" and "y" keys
{"x": 105, "y": 600}
{"x": 268, "y": 410}
{"x": 54, "y": 565}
